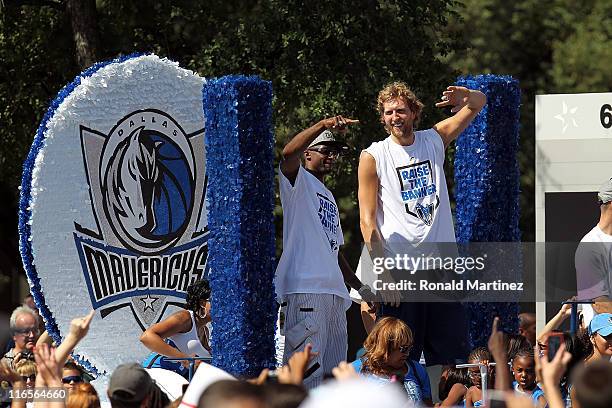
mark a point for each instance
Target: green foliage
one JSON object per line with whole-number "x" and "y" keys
{"x": 550, "y": 46}
{"x": 324, "y": 58}
{"x": 581, "y": 62}
{"x": 36, "y": 51}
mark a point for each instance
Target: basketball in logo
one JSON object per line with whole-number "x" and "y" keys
{"x": 148, "y": 181}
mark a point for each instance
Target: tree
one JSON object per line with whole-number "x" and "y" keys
{"x": 581, "y": 62}
{"x": 323, "y": 58}
{"x": 83, "y": 17}
{"x": 34, "y": 42}
{"x": 549, "y": 46}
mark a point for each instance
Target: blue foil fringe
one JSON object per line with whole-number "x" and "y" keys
{"x": 25, "y": 234}
{"x": 240, "y": 202}
{"x": 487, "y": 186}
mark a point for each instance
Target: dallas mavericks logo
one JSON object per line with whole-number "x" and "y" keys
{"x": 148, "y": 191}
{"x": 419, "y": 191}
{"x": 147, "y": 194}
{"x": 425, "y": 213}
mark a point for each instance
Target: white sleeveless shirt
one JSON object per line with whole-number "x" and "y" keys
{"x": 189, "y": 343}
{"x": 413, "y": 204}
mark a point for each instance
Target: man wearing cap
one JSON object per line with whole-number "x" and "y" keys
{"x": 130, "y": 386}
{"x": 311, "y": 273}
{"x": 593, "y": 259}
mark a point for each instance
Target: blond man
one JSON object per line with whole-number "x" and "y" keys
{"x": 404, "y": 202}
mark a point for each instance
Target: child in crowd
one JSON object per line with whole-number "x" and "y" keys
{"x": 386, "y": 360}
{"x": 26, "y": 368}
{"x": 523, "y": 371}
{"x": 454, "y": 383}
{"x": 72, "y": 375}
{"x": 473, "y": 397}
{"x": 516, "y": 343}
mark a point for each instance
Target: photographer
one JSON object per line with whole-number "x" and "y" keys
{"x": 25, "y": 328}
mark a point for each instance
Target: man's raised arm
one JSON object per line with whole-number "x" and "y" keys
{"x": 466, "y": 104}
{"x": 296, "y": 146}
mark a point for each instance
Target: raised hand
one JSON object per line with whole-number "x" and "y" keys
{"x": 8, "y": 374}
{"x": 496, "y": 341}
{"x": 566, "y": 308}
{"x": 78, "y": 329}
{"x": 48, "y": 367}
{"x": 455, "y": 96}
{"x": 344, "y": 371}
{"x": 293, "y": 372}
{"x": 338, "y": 123}
{"x": 80, "y": 325}
{"x": 460, "y": 96}
{"x": 551, "y": 372}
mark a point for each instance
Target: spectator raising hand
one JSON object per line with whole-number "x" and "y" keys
{"x": 78, "y": 330}
{"x": 49, "y": 374}
{"x": 498, "y": 352}
{"x": 551, "y": 373}
{"x": 344, "y": 371}
{"x": 563, "y": 314}
{"x": 9, "y": 375}
{"x": 80, "y": 326}
{"x": 49, "y": 371}
{"x": 293, "y": 372}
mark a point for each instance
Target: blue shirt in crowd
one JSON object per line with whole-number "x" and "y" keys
{"x": 416, "y": 380}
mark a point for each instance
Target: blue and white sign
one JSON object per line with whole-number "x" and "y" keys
{"x": 112, "y": 212}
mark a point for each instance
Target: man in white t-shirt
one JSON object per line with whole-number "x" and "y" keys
{"x": 311, "y": 273}
{"x": 403, "y": 203}
{"x": 593, "y": 258}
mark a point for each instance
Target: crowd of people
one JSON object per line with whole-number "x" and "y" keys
{"x": 517, "y": 372}
{"x": 403, "y": 199}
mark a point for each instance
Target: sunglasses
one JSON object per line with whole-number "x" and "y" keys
{"x": 31, "y": 377}
{"x": 27, "y": 330}
{"x": 327, "y": 152}
{"x": 72, "y": 379}
{"x": 405, "y": 349}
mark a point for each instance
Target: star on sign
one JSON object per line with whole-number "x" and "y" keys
{"x": 566, "y": 116}
{"x": 148, "y": 301}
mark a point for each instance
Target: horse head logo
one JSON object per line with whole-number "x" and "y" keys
{"x": 425, "y": 212}
{"x": 132, "y": 184}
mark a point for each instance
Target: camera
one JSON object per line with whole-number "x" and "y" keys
{"x": 27, "y": 355}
